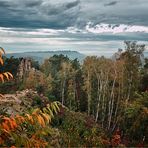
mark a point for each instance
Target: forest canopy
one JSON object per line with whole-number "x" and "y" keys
{"x": 103, "y": 101}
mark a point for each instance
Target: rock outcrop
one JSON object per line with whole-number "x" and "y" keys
{"x": 18, "y": 102}
{"x": 24, "y": 67}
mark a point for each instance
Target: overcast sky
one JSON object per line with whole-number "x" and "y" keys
{"x": 92, "y": 27}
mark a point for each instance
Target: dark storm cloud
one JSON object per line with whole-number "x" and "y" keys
{"x": 38, "y": 14}
{"x": 4, "y": 4}
{"x": 111, "y": 3}
{"x": 123, "y": 12}
{"x": 72, "y": 4}
{"x": 65, "y": 13}
{"x": 33, "y": 3}
{"x": 60, "y": 9}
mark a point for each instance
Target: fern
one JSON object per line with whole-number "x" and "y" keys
{"x": 28, "y": 130}
{"x": 5, "y": 75}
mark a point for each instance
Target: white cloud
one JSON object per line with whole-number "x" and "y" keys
{"x": 75, "y": 30}
{"x": 113, "y": 28}
{"x": 102, "y": 39}
{"x": 21, "y": 31}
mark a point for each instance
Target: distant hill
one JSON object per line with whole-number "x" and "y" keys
{"x": 42, "y": 55}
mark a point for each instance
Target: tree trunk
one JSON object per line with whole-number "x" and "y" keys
{"x": 111, "y": 103}
{"x": 89, "y": 93}
{"x": 99, "y": 97}
{"x": 63, "y": 89}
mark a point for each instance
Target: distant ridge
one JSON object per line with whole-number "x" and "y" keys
{"x": 42, "y": 55}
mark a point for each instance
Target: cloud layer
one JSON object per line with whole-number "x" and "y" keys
{"x": 88, "y": 26}
{"x": 67, "y": 13}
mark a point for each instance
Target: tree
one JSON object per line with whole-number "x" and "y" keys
{"x": 88, "y": 72}
{"x": 4, "y": 75}
{"x": 132, "y": 58}
{"x": 35, "y": 78}
{"x": 144, "y": 79}
{"x": 63, "y": 73}
{"x": 46, "y": 67}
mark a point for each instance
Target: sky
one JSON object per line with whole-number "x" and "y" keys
{"x": 92, "y": 27}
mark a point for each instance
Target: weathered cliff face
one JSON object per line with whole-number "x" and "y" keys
{"x": 24, "y": 67}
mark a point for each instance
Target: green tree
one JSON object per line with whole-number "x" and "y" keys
{"x": 132, "y": 58}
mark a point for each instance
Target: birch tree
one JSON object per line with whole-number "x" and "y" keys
{"x": 65, "y": 67}
{"x": 88, "y": 72}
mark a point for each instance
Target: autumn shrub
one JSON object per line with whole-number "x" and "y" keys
{"x": 28, "y": 130}
{"x": 79, "y": 130}
{"x": 135, "y": 119}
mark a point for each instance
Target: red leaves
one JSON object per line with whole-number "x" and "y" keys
{"x": 116, "y": 139}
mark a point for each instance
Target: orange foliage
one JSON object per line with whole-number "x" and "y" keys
{"x": 5, "y": 75}
{"x": 12, "y": 147}
{"x": 38, "y": 118}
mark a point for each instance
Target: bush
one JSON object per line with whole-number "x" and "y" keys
{"x": 79, "y": 130}
{"x": 40, "y": 89}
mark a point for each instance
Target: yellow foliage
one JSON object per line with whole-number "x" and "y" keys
{"x": 46, "y": 117}
{"x": 19, "y": 119}
{"x": 2, "y": 78}
{"x": 39, "y": 119}
{"x": 30, "y": 118}
{"x": 1, "y": 53}
{"x": 4, "y": 75}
